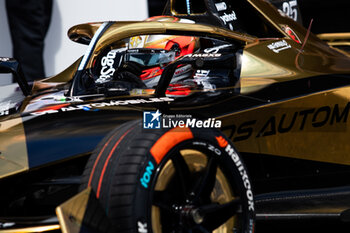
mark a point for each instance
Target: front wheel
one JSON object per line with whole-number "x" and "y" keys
{"x": 177, "y": 180}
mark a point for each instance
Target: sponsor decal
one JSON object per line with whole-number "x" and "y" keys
{"x": 220, "y": 6}
{"x": 201, "y": 77}
{"x": 156, "y": 120}
{"x": 4, "y": 59}
{"x": 214, "y": 149}
{"x": 234, "y": 156}
{"x": 203, "y": 55}
{"x": 146, "y": 177}
{"x": 107, "y": 69}
{"x": 216, "y": 49}
{"x": 221, "y": 141}
{"x": 103, "y": 104}
{"x": 278, "y": 46}
{"x": 141, "y": 227}
{"x": 201, "y": 74}
{"x": 227, "y": 18}
{"x": 107, "y": 62}
{"x": 305, "y": 119}
{"x": 291, "y": 34}
{"x": 208, "y": 146}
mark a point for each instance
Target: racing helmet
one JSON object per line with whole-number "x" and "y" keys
{"x": 162, "y": 49}
{"x": 145, "y": 56}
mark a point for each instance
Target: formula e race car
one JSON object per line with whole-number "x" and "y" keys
{"x": 207, "y": 119}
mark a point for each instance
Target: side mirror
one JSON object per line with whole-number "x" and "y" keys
{"x": 10, "y": 65}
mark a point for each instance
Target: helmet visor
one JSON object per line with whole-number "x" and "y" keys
{"x": 150, "y": 57}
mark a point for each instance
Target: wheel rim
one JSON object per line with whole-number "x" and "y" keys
{"x": 190, "y": 189}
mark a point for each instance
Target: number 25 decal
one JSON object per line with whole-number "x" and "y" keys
{"x": 290, "y": 9}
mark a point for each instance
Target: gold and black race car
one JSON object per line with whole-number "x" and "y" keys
{"x": 206, "y": 119}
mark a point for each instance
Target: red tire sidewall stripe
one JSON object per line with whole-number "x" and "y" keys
{"x": 98, "y": 158}
{"x": 168, "y": 141}
{"x": 106, "y": 163}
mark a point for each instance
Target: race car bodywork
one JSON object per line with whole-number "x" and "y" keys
{"x": 281, "y": 95}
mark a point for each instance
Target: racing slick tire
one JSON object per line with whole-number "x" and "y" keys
{"x": 171, "y": 180}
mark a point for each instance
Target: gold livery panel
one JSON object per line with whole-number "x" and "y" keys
{"x": 13, "y": 148}
{"x": 313, "y": 127}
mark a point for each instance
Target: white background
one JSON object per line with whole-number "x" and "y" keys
{"x": 60, "y": 52}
